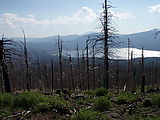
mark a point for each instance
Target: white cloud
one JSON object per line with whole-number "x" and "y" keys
{"x": 13, "y": 20}
{"x": 155, "y": 8}
{"x": 123, "y": 15}
{"x": 83, "y": 15}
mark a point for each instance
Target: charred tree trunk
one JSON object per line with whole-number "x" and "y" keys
{"x": 117, "y": 76}
{"x": 132, "y": 71}
{"x": 106, "y": 48}
{"x": 143, "y": 76}
{"x": 60, "y": 61}
{"x": 71, "y": 72}
{"x": 28, "y": 83}
{"x": 129, "y": 67}
{"x": 87, "y": 63}
{"x": 93, "y": 67}
{"x": 83, "y": 75}
{"x": 78, "y": 68}
{"x": 6, "y": 86}
{"x": 52, "y": 76}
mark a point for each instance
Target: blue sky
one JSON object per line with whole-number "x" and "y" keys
{"x": 41, "y": 18}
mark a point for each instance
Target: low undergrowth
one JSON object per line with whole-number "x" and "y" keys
{"x": 102, "y": 103}
{"x": 98, "y": 104}
{"x": 32, "y": 101}
{"x": 88, "y": 115}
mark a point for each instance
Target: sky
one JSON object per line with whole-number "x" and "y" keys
{"x": 42, "y": 18}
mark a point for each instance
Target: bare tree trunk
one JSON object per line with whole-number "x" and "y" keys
{"x": 83, "y": 72}
{"x": 93, "y": 67}
{"x": 117, "y": 76}
{"x": 60, "y": 61}
{"x": 52, "y": 77}
{"x": 6, "y": 79}
{"x": 6, "y": 86}
{"x": 71, "y": 71}
{"x": 143, "y": 76}
{"x": 129, "y": 67}
{"x": 78, "y": 68}
{"x": 87, "y": 55}
{"x": 28, "y": 84}
{"x": 106, "y": 49}
{"x": 132, "y": 82}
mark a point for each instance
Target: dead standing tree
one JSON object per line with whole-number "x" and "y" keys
{"x": 93, "y": 66}
{"x": 106, "y": 47}
{"x": 78, "y": 68}
{"x": 142, "y": 70}
{"x": 6, "y": 86}
{"x": 87, "y": 62}
{"x": 28, "y": 77}
{"x": 71, "y": 71}
{"x": 109, "y": 33}
{"x": 60, "y": 61}
{"x": 7, "y": 54}
{"x": 106, "y": 41}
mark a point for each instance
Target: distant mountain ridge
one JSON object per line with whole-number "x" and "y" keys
{"x": 146, "y": 39}
{"x": 46, "y": 47}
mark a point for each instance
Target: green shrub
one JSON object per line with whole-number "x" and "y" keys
{"x": 153, "y": 118}
{"x": 102, "y": 103}
{"x": 26, "y": 100}
{"x": 90, "y": 93}
{"x": 88, "y": 115}
{"x": 56, "y": 102}
{"x": 5, "y": 100}
{"x": 42, "y": 107}
{"x": 143, "y": 118}
{"x": 126, "y": 97}
{"x": 101, "y": 91}
{"x": 155, "y": 99}
{"x": 5, "y": 112}
{"x": 29, "y": 100}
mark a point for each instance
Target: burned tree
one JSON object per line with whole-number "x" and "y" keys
{"x": 28, "y": 77}
{"x": 6, "y": 54}
{"x": 142, "y": 70}
{"x": 78, "y": 68}
{"x": 87, "y": 62}
{"x": 6, "y": 86}
{"x": 52, "y": 74}
{"x": 60, "y": 61}
{"x": 93, "y": 66}
{"x": 106, "y": 47}
{"x": 107, "y": 39}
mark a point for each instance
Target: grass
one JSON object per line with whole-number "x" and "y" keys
{"x": 88, "y": 115}
{"x": 92, "y": 106}
{"x": 101, "y": 91}
{"x": 102, "y": 103}
{"x": 127, "y": 97}
{"x": 30, "y": 100}
{"x": 5, "y": 100}
{"x": 155, "y": 99}
{"x": 149, "y": 118}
